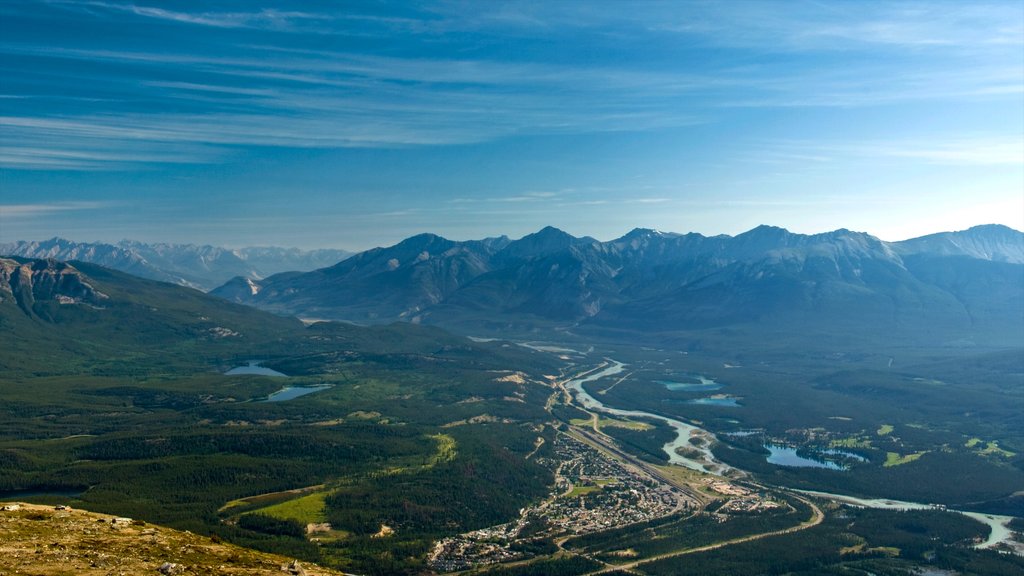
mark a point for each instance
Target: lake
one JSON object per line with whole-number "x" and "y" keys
{"x": 835, "y": 452}
{"x": 701, "y": 385}
{"x": 293, "y": 392}
{"x": 1000, "y": 532}
{"x": 253, "y": 368}
{"x": 731, "y": 401}
{"x": 786, "y": 456}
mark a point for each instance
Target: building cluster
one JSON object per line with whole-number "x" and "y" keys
{"x": 743, "y": 500}
{"x": 462, "y": 553}
{"x": 593, "y": 492}
{"x": 750, "y": 505}
{"x": 729, "y": 489}
{"x": 600, "y": 493}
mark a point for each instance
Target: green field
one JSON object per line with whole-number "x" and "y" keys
{"x": 604, "y": 422}
{"x": 896, "y": 459}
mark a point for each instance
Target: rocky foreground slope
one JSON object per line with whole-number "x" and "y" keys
{"x": 47, "y": 541}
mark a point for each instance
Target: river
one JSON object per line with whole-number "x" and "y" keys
{"x": 706, "y": 462}
{"x": 1000, "y": 531}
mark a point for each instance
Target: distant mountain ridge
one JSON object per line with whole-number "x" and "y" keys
{"x": 986, "y": 242}
{"x": 198, "y": 266}
{"x": 946, "y": 284}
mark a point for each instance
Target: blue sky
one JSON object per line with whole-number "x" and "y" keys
{"x": 355, "y": 124}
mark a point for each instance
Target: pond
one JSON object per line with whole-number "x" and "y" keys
{"x": 701, "y": 385}
{"x": 293, "y": 392}
{"x": 786, "y": 456}
{"x": 253, "y": 368}
{"x": 844, "y": 453}
{"x": 717, "y": 400}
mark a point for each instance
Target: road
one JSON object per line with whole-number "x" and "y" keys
{"x": 817, "y": 517}
{"x": 593, "y": 436}
{"x": 604, "y": 443}
{"x": 689, "y": 497}
{"x": 601, "y": 441}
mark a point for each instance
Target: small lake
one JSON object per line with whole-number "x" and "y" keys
{"x": 845, "y": 454}
{"x": 786, "y": 456}
{"x": 293, "y": 392}
{"x": 701, "y": 385}
{"x": 730, "y": 401}
{"x": 254, "y": 368}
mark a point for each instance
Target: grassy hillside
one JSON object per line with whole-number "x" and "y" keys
{"x": 45, "y": 541}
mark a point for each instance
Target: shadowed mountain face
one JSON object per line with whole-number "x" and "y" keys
{"x": 58, "y": 317}
{"x": 202, "y": 267}
{"x": 382, "y": 284}
{"x": 948, "y": 285}
{"x": 55, "y": 315}
{"x": 24, "y": 283}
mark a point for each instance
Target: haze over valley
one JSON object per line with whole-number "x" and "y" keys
{"x": 730, "y": 393}
{"x": 390, "y": 288}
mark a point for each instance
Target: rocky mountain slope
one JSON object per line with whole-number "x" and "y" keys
{"x": 380, "y": 284}
{"x": 988, "y": 242}
{"x": 53, "y": 313}
{"x": 25, "y": 282}
{"x": 203, "y": 267}
{"x": 48, "y": 540}
{"x": 948, "y": 284}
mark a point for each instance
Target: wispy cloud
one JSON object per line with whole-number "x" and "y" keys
{"x": 28, "y": 210}
{"x": 159, "y": 103}
{"x": 97, "y": 144}
{"x": 648, "y": 200}
{"x": 338, "y": 100}
{"x": 565, "y": 197}
{"x": 73, "y": 159}
{"x": 946, "y": 149}
{"x": 343, "y": 100}
{"x": 977, "y": 152}
{"x": 532, "y": 196}
{"x": 768, "y": 25}
{"x": 266, "y": 18}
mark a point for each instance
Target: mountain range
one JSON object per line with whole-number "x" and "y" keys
{"x": 112, "y": 383}
{"x": 59, "y": 317}
{"x": 952, "y": 286}
{"x": 198, "y": 266}
{"x": 55, "y": 316}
